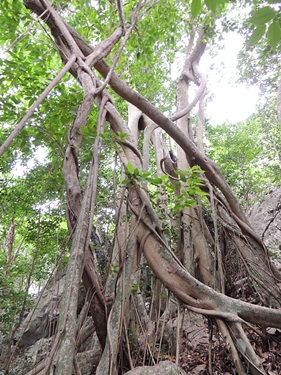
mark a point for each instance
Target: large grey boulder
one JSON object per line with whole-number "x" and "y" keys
{"x": 163, "y": 368}
{"x": 265, "y": 218}
{"x": 41, "y": 321}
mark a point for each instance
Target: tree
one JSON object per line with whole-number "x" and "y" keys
{"x": 247, "y": 156}
{"x": 157, "y": 195}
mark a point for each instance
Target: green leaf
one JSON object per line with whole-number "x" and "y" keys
{"x": 211, "y": 5}
{"x": 145, "y": 174}
{"x": 130, "y": 167}
{"x": 190, "y": 203}
{"x": 178, "y": 207}
{"x": 136, "y": 172}
{"x": 195, "y": 8}
{"x": 178, "y": 171}
{"x": 134, "y": 288}
{"x": 154, "y": 180}
{"x": 257, "y": 35}
{"x": 183, "y": 178}
{"x": 170, "y": 188}
{"x": 274, "y": 34}
{"x": 262, "y": 15}
{"x": 126, "y": 181}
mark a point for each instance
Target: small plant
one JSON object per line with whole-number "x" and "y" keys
{"x": 189, "y": 182}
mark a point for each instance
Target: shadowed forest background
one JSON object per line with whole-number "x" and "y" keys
{"x": 126, "y": 243}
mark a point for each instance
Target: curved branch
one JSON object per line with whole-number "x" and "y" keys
{"x": 194, "y": 156}
{"x": 134, "y": 18}
{"x": 196, "y": 294}
{"x": 191, "y": 105}
{"x": 187, "y": 288}
{"x": 63, "y": 28}
{"x": 228, "y": 316}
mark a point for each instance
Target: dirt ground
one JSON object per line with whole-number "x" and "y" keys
{"x": 215, "y": 359}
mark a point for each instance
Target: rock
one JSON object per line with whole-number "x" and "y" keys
{"x": 265, "y": 218}
{"x": 88, "y": 361}
{"x": 41, "y": 322}
{"x": 200, "y": 369}
{"x": 163, "y": 368}
{"x": 194, "y": 328}
{"x": 39, "y": 351}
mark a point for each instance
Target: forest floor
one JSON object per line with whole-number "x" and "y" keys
{"x": 214, "y": 358}
{"x": 202, "y": 354}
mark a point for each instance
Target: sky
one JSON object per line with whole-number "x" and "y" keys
{"x": 232, "y": 104}
{"x": 229, "y": 100}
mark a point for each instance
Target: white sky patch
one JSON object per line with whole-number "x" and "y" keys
{"x": 229, "y": 101}
{"x": 40, "y": 156}
{"x": 232, "y": 104}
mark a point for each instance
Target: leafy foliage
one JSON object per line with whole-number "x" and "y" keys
{"x": 246, "y": 157}
{"x": 31, "y": 201}
{"x": 266, "y": 22}
{"x": 197, "y": 6}
{"x": 189, "y": 180}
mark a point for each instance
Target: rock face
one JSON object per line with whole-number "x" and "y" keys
{"x": 265, "y": 218}
{"x": 163, "y": 368}
{"x": 41, "y": 322}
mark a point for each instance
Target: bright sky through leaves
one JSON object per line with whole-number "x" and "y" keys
{"x": 230, "y": 101}
{"x": 232, "y": 104}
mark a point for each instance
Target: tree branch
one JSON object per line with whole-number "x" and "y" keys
{"x": 37, "y": 102}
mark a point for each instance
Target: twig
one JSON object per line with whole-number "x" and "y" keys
{"x": 104, "y": 48}
{"x": 128, "y": 347}
{"x": 178, "y": 333}
{"x": 25, "y": 31}
{"x": 230, "y": 317}
{"x": 225, "y": 331}
{"x": 122, "y": 45}
{"x": 147, "y": 345}
{"x": 210, "y": 348}
{"x": 38, "y": 368}
{"x": 246, "y": 349}
{"x": 153, "y": 3}
{"x": 121, "y": 15}
{"x": 37, "y": 102}
{"x": 218, "y": 255}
